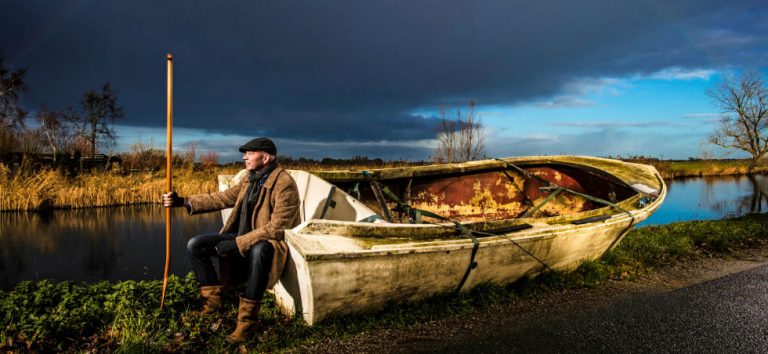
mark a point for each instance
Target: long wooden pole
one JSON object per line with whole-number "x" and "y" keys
{"x": 169, "y": 186}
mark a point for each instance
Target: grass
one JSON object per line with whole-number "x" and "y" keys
{"x": 44, "y": 189}
{"x": 692, "y": 168}
{"x": 124, "y": 317}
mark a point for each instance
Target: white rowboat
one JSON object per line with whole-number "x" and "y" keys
{"x": 452, "y": 227}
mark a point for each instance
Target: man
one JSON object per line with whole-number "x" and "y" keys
{"x": 250, "y": 246}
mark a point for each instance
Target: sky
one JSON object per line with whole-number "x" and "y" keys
{"x": 367, "y": 78}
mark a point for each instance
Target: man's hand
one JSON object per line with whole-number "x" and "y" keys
{"x": 227, "y": 248}
{"x": 171, "y": 200}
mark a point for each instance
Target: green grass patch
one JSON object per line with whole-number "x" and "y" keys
{"x": 693, "y": 168}
{"x": 125, "y": 317}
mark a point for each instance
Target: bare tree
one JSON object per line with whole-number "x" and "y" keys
{"x": 99, "y": 110}
{"x": 11, "y": 113}
{"x": 189, "y": 154}
{"x": 460, "y": 139}
{"x": 54, "y": 129}
{"x": 29, "y": 141}
{"x": 209, "y": 160}
{"x": 744, "y": 104}
{"x": 144, "y": 156}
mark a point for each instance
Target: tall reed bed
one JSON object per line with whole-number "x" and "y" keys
{"x": 43, "y": 189}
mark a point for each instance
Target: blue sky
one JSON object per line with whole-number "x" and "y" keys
{"x": 666, "y": 115}
{"x": 344, "y": 78}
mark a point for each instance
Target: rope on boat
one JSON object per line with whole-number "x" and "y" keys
{"x": 557, "y": 189}
{"x": 415, "y": 216}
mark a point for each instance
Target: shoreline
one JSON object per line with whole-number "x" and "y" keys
{"x": 50, "y": 189}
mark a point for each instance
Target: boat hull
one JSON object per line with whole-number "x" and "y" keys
{"x": 344, "y": 259}
{"x": 318, "y": 287}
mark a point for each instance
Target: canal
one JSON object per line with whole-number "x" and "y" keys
{"x": 122, "y": 243}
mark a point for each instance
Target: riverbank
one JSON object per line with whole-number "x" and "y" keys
{"x": 125, "y": 316}
{"x": 51, "y": 189}
{"x": 670, "y": 169}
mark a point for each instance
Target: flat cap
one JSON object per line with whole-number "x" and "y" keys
{"x": 260, "y": 144}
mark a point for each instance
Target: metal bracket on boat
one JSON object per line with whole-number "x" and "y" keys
{"x": 413, "y": 213}
{"x": 557, "y": 189}
{"x": 329, "y": 202}
{"x": 355, "y": 189}
{"x": 546, "y": 200}
{"x": 379, "y": 197}
{"x": 472, "y": 262}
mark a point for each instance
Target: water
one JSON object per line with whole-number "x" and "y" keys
{"x": 709, "y": 198}
{"x": 96, "y": 244}
{"x": 129, "y": 242}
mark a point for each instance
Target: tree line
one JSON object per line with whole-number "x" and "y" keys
{"x": 73, "y": 130}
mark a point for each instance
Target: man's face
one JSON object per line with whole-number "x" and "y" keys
{"x": 255, "y": 160}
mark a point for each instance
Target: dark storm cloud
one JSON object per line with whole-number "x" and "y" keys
{"x": 355, "y": 70}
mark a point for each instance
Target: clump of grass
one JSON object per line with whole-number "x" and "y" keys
{"x": 59, "y": 316}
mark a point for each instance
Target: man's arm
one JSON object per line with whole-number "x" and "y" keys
{"x": 202, "y": 203}
{"x": 207, "y": 202}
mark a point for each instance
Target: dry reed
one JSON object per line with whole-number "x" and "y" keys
{"x": 26, "y": 189}
{"x": 52, "y": 189}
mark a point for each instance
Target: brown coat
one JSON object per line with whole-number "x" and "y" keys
{"x": 277, "y": 209}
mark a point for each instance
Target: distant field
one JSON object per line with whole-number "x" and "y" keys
{"x": 689, "y": 168}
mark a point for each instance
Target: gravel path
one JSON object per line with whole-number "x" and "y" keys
{"x": 482, "y": 326}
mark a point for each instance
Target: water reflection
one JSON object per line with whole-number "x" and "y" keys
{"x": 707, "y": 198}
{"x": 129, "y": 242}
{"x": 95, "y": 244}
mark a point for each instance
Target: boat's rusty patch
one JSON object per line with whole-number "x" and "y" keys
{"x": 563, "y": 203}
{"x": 495, "y": 195}
{"x": 488, "y": 195}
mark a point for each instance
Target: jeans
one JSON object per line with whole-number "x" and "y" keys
{"x": 258, "y": 262}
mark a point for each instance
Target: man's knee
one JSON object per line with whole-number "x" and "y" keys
{"x": 193, "y": 245}
{"x": 262, "y": 249}
{"x": 200, "y": 244}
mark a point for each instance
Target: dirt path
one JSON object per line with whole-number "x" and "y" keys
{"x": 431, "y": 336}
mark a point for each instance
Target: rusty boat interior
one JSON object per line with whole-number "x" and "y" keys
{"x": 502, "y": 195}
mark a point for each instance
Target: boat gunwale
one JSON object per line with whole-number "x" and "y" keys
{"x": 551, "y": 220}
{"x": 586, "y": 163}
{"x": 533, "y": 234}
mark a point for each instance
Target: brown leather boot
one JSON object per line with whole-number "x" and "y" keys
{"x": 211, "y": 298}
{"x": 247, "y": 321}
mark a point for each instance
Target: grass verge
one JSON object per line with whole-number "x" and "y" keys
{"x": 125, "y": 317}
{"x": 698, "y": 168}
